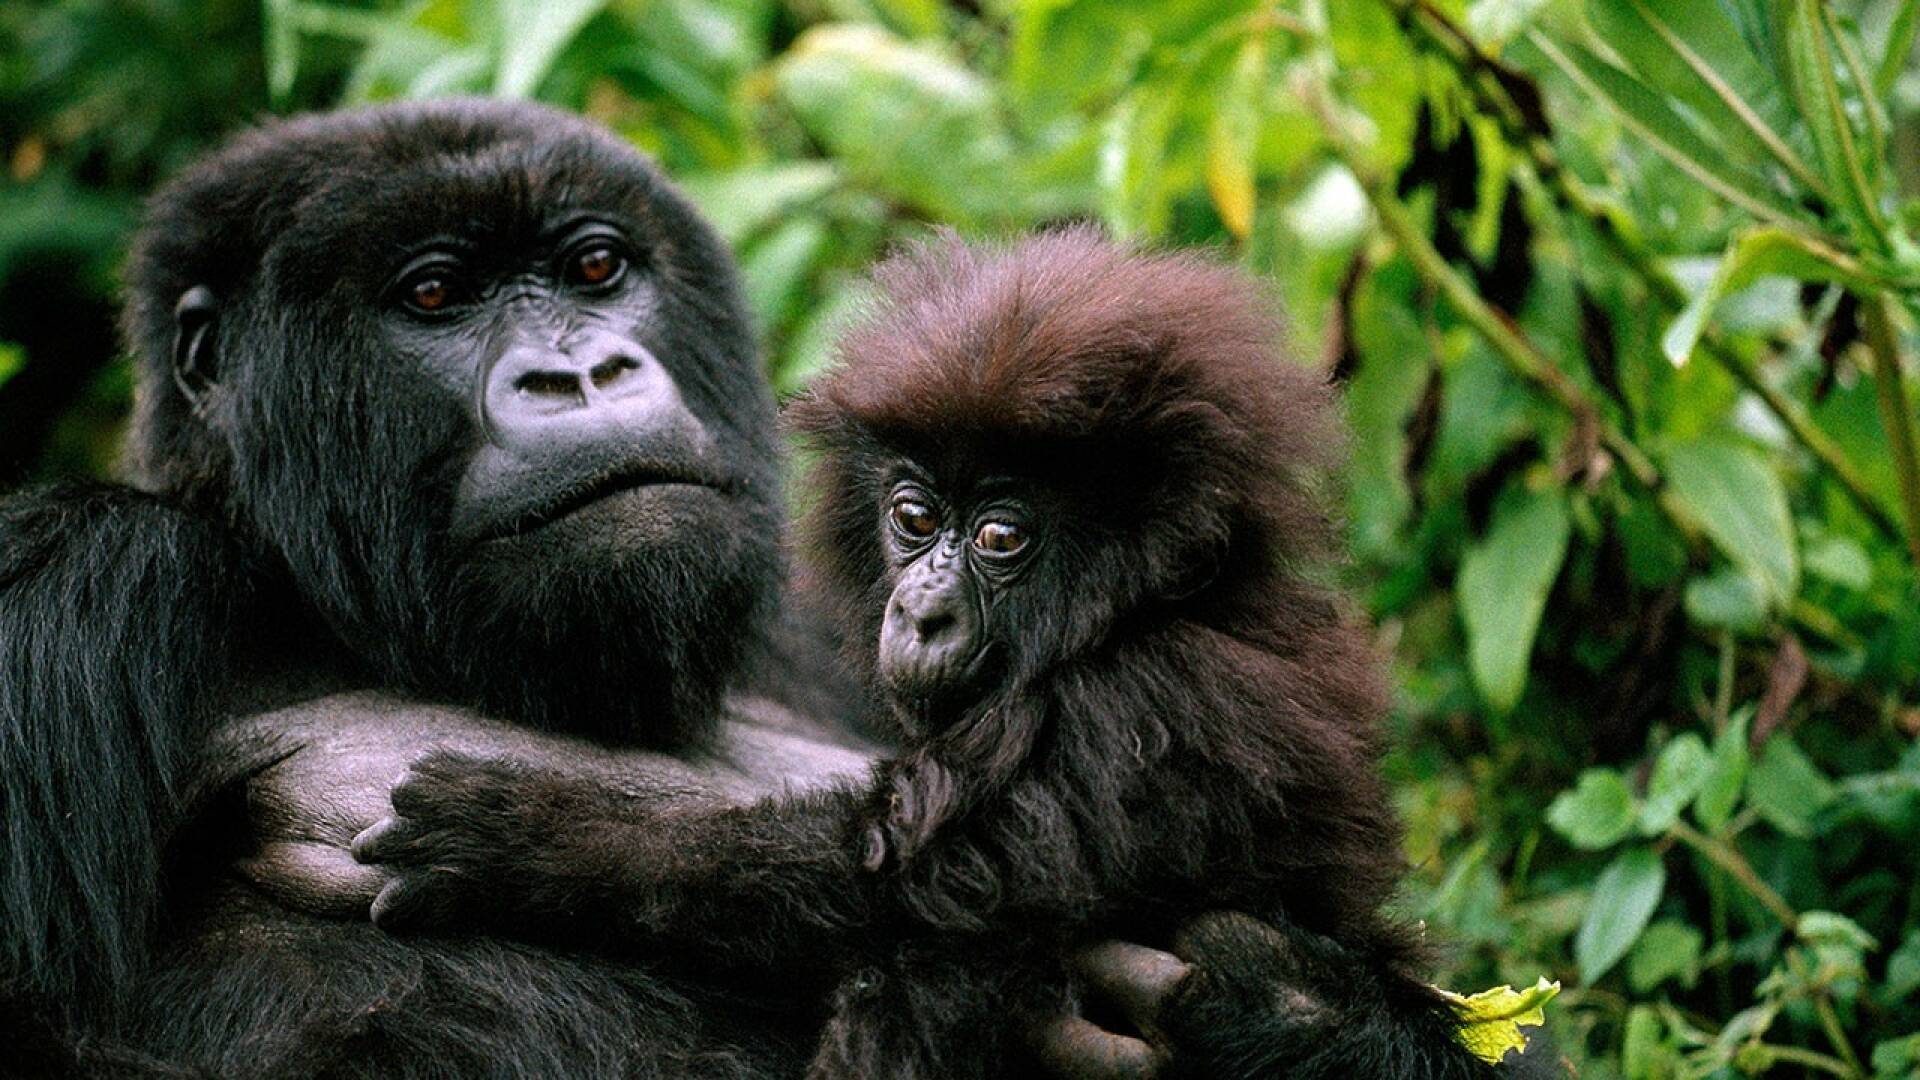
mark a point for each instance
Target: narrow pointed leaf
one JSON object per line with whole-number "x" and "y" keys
{"x": 1893, "y": 58}
{"x": 1695, "y": 53}
{"x": 1649, "y": 116}
{"x": 1754, "y": 254}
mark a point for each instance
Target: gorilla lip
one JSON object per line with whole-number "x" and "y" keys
{"x": 578, "y": 497}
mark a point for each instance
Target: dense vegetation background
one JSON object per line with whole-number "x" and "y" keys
{"x": 1621, "y": 292}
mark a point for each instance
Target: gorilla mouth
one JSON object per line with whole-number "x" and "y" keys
{"x": 577, "y": 497}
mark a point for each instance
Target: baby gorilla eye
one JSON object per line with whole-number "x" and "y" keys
{"x": 915, "y": 519}
{"x": 1000, "y": 537}
{"x": 597, "y": 265}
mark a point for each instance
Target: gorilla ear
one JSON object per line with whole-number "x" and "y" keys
{"x": 196, "y": 360}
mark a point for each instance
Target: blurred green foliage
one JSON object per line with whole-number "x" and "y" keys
{"x": 1622, "y": 294}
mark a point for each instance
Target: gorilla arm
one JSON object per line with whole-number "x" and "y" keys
{"x": 114, "y": 643}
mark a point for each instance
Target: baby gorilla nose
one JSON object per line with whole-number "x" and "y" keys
{"x": 931, "y": 631}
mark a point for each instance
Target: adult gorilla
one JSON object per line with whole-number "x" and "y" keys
{"x": 447, "y": 403}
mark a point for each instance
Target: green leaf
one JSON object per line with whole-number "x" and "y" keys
{"x": 1840, "y": 560}
{"x": 1644, "y": 1053}
{"x": 1503, "y": 585}
{"x": 1851, "y": 171}
{"x": 812, "y": 348}
{"x": 1597, "y": 813}
{"x": 1682, "y": 770}
{"x": 1491, "y": 1020}
{"x": 1903, "y": 968}
{"x": 1233, "y": 137}
{"x": 1694, "y": 52}
{"x": 1756, "y": 253}
{"x": 1893, "y": 57}
{"x": 12, "y": 359}
{"x": 739, "y": 203}
{"x": 1741, "y": 504}
{"x": 532, "y": 33}
{"x": 1648, "y": 115}
{"x": 1619, "y": 909}
{"x": 1727, "y": 776}
{"x": 906, "y": 119}
{"x": 1897, "y": 1059}
{"x": 1727, "y": 599}
{"x": 1668, "y": 950}
{"x": 1786, "y": 789}
{"x": 775, "y": 269}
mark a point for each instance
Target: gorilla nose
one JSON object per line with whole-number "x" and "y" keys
{"x": 539, "y": 394}
{"x": 563, "y": 388}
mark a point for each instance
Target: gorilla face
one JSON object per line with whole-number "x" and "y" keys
{"x": 483, "y": 382}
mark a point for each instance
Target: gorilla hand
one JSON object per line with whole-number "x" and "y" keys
{"x": 494, "y": 845}
{"x": 1240, "y": 998}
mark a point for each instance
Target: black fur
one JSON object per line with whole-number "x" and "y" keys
{"x": 1185, "y": 718}
{"x": 285, "y": 536}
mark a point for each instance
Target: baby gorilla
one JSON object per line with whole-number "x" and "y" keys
{"x": 1066, "y": 510}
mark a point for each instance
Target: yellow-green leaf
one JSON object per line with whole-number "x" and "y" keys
{"x": 1233, "y": 136}
{"x": 1492, "y": 1019}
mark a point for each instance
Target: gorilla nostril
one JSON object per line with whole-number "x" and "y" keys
{"x": 932, "y": 624}
{"x": 548, "y": 384}
{"x": 612, "y": 370}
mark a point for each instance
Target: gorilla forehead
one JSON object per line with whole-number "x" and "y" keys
{"x": 412, "y": 168}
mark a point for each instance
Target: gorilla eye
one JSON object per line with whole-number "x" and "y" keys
{"x": 433, "y": 290}
{"x": 1000, "y": 537}
{"x": 597, "y": 265}
{"x": 915, "y": 520}
{"x": 430, "y": 294}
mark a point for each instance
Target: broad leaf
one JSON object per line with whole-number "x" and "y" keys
{"x": 1597, "y": 813}
{"x": 1503, "y": 586}
{"x": 1681, "y": 771}
{"x": 1649, "y": 116}
{"x": 1726, "y": 777}
{"x": 532, "y": 33}
{"x": 1233, "y": 137}
{"x": 906, "y": 119}
{"x": 1739, "y": 501}
{"x": 1668, "y": 950}
{"x": 1619, "y": 909}
{"x": 741, "y": 202}
{"x": 1786, "y": 789}
{"x": 1694, "y": 52}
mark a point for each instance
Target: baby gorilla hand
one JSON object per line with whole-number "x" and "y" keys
{"x": 490, "y": 845}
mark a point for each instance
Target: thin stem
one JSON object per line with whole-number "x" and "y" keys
{"x": 1728, "y": 858}
{"x": 1519, "y": 353}
{"x": 1812, "y": 1059}
{"x": 1894, "y": 412}
{"x": 1829, "y": 1019}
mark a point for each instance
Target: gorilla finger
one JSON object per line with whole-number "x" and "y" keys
{"x": 412, "y": 901}
{"x": 306, "y": 875}
{"x": 388, "y": 840}
{"x": 1073, "y": 1048}
{"x": 1135, "y": 978}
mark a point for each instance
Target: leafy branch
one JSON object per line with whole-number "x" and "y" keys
{"x": 1504, "y": 95}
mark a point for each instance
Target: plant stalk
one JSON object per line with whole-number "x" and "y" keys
{"x": 1895, "y": 414}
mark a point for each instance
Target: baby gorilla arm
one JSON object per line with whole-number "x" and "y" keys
{"x": 541, "y": 854}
